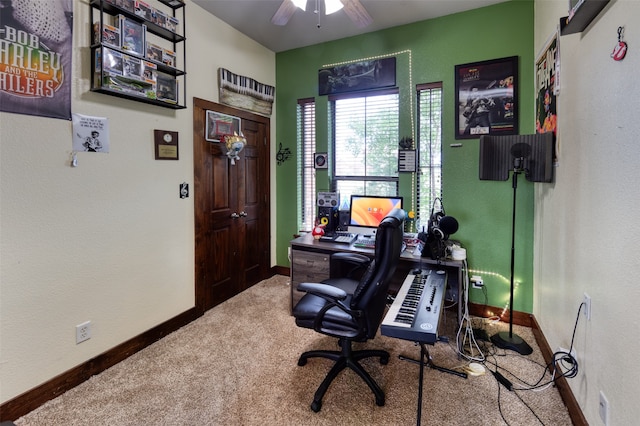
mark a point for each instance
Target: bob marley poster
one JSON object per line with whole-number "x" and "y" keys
{"x": 35, "y": 57}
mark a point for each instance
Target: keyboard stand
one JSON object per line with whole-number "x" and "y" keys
{"x": 424, "y": 354}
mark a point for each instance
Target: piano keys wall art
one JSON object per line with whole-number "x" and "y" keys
{"x": 245, "y": 93}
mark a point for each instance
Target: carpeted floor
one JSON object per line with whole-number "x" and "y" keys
{"x": 237, "y": 365}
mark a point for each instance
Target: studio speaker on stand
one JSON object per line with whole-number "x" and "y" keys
{"x": 328, "y": 211}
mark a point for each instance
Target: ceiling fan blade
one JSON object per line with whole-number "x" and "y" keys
{"x": 357, "y": 13}
{"x": 284, "y": 13}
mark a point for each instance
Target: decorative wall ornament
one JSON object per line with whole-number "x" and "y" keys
{"x": 320, "y": 160}
{"x": 363, "y": 75}
{"x": 283, "y": 154}
{"x": 234, "y": 144}
{"x": 396, "y": 56}
{"x": 620, "y": 51}
{"x": 245, "y": 93}
{"x": 219, "y": 124}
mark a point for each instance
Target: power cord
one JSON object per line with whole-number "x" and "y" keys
{"x": 563, "y": 364}
{"x": 466, "y": 337}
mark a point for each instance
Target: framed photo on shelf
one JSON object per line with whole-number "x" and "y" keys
{"x": 154, "y": 52}
{"x": 133, "y": 34}
{"x": 110, "y": 35}
{"x": 127, "y": 5}
{"x": 219, "y": 124}
{"x": 132, "y": 67}
{"x": 166, "y": 88}
{"x": 112, "y": 61}
{"x": 169, "y": 58}
{"x": 143, "y": 10}
{"x": 487, "y": 98}
{"x": 149, "y": 72}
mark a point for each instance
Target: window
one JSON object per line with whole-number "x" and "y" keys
{"x": 365, "y": 144}
{"x": 429, "y": 179}
{"x": 306, "y": 118}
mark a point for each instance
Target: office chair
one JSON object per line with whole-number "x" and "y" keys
{"x": 352, "y": 310}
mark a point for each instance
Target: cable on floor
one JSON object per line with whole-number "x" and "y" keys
{"x": 466, "y": 337}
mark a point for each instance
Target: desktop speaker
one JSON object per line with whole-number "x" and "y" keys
{"x": 328, "y": 216}
{"x": 343, "y": 220}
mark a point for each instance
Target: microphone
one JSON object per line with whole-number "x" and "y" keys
{"x": 520, "y": 151}
{"x": 448, "y": 225}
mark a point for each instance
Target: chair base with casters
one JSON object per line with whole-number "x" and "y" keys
{"x": 347, "y": 357}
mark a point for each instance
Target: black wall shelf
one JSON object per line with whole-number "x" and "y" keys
{"x": 586, "y": 12}
{"x": 137, "y": 86}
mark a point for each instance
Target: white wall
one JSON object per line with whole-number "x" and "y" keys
{"x": 109, "y": 241}
{"x": 587, "y": 228}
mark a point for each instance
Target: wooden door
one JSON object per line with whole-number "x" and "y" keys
{"x": 232, "y": 246}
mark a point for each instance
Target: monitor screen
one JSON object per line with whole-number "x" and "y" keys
{"x": 367, "y": 211}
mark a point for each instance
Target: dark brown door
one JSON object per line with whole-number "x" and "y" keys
{"x": 232, "y": 247}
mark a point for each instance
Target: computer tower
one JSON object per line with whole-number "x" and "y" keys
{"x": 328, "y": 216}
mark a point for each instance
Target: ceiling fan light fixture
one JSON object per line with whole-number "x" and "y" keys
{"x": 302, "y": 4}
{"x": 332, "y": 6}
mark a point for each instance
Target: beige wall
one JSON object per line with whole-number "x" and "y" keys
{"x": 109, "y": 241}
{"x": 587, "y": 228}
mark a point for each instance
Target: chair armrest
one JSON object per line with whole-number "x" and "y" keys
{"x": 348, "y": 265}
{"x": 323, "y": 290}
{"x": 334, "y": 298}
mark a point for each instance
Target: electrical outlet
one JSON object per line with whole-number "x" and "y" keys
{"x": 587, "y": 306}
{"x": 476, "y": 281}
{"x": 566, "y": 351}
{"x": 603, "y": 409}
{"x": 83, "y": 332}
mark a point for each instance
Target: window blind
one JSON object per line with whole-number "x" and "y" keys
{"x": 306, "y": 188}
{"x": 429, "y": 179}
{"x": 365, "y": 144}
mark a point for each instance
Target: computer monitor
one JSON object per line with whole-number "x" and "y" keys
{"x": 367, "y": 211}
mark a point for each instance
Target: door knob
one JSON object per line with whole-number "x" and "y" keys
{"x": 234, "y": 215}
{"x": 243, "y": 214}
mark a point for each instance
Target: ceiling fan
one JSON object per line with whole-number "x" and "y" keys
{"x": 353, "y": 8}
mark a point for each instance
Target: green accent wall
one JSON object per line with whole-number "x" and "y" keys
{"x": 483, "y": 208}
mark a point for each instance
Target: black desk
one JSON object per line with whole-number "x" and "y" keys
{"x": 310, "y": 263}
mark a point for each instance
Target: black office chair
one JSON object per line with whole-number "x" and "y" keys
{"x": 352, "y": 310}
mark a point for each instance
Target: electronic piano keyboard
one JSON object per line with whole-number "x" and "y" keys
{"x": 415, "y": 313}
